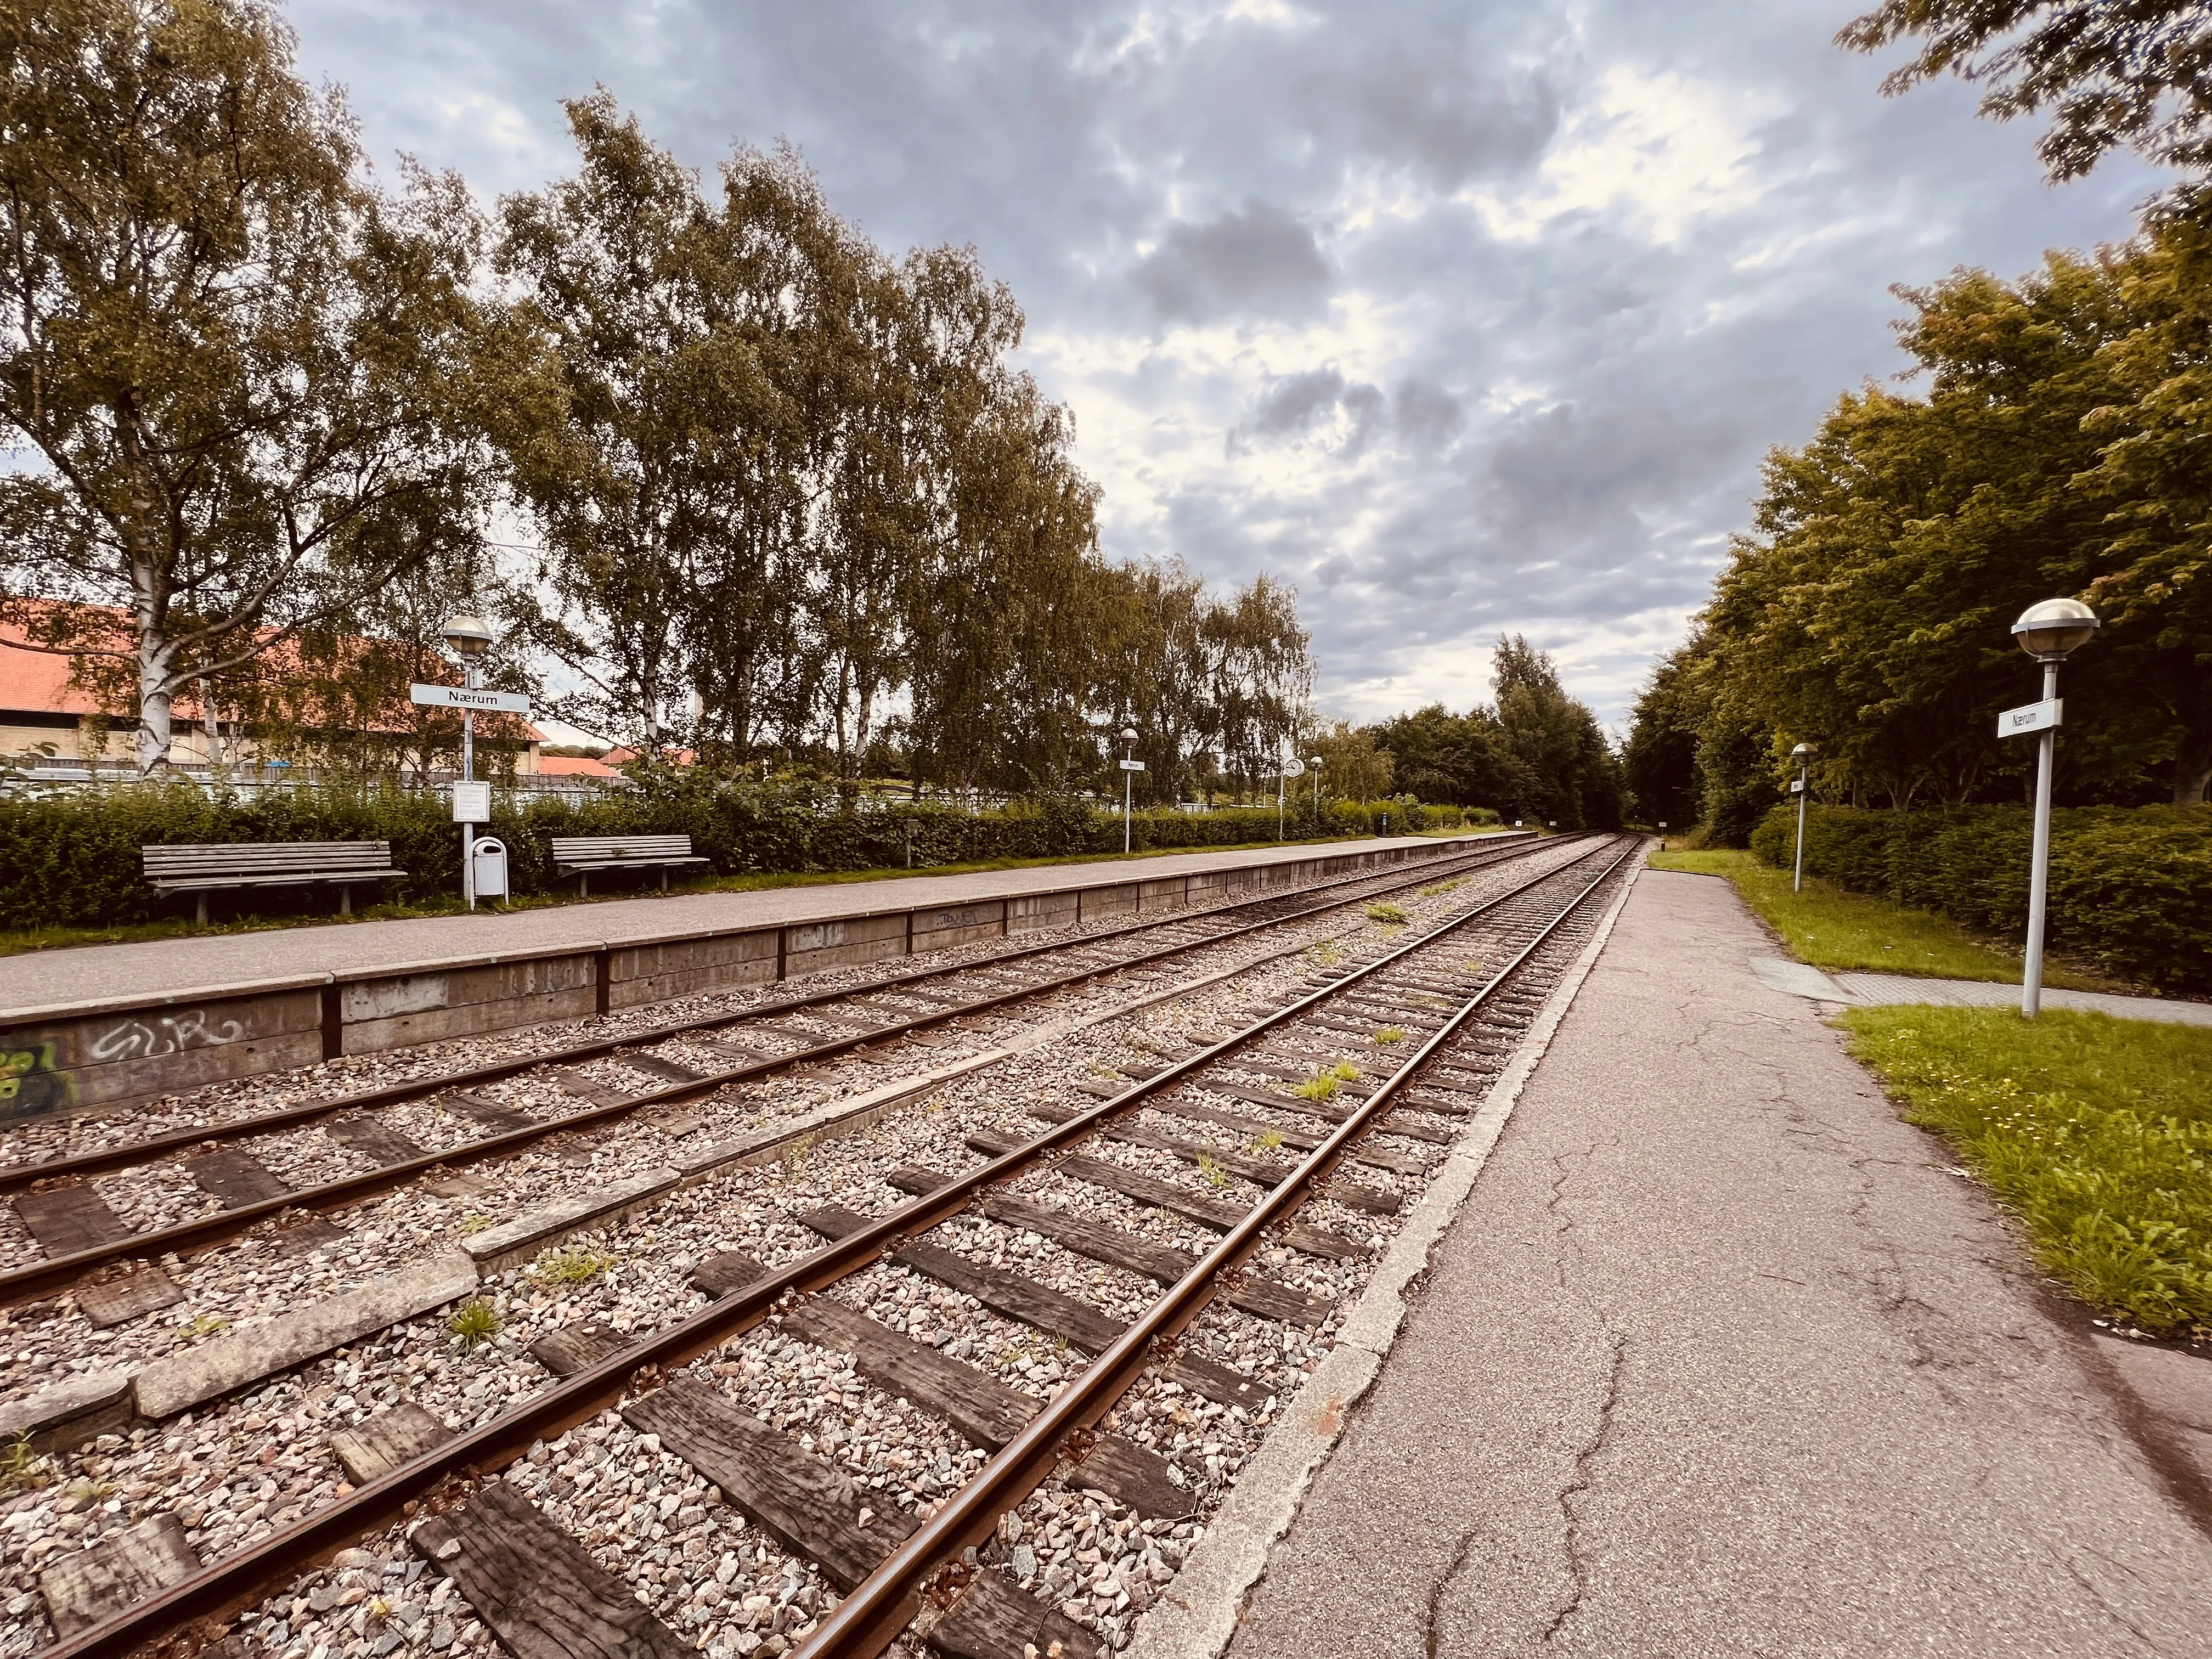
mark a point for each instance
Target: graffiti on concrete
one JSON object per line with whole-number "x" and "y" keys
{"x": 167, "y": 1034}
{"x": 30, "y": 1087}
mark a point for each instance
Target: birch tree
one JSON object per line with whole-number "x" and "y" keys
{"x": 241, "y": 382}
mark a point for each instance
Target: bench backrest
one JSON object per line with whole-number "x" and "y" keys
{"x": 569, "y": 848}
{"x": 267, "y": 858}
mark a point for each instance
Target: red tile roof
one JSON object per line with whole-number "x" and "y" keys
{"x": 574, "y": 766}
{"x": 38, "y": 682}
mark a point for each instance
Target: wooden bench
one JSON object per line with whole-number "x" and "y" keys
{"x": 204, "y": 870}
{"x": 579, "y": 855}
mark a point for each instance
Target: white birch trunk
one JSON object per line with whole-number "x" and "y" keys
{"x": 156, "y": 658}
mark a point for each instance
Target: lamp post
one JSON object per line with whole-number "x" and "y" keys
{"x": 1315, "y": 762}
{"x": 1129, "y": 783}
{"x": 469, "y": 639}
{"x": 2048, "y": 632}
{"x": 1803, "y": 753}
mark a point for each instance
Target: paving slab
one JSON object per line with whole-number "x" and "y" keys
{"x": 1858, "y": 990}
{"x": 1719, "y": 1359}
{"x": 85, "y": 973}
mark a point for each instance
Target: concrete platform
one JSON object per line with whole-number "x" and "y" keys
{"x": 207, "y": 965}
{"x": 1720, "y": 1358}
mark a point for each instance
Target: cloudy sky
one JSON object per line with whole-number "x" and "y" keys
{"x": 1464, "y": 317}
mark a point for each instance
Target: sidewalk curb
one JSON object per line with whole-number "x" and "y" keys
{"x": 1197, "y": 1616}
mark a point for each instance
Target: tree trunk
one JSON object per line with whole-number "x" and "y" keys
{"x": 2192, "y": 769}
{"x": 156, "y": 656}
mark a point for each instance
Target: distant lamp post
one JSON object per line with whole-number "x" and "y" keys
{"x": 1803, "y": 753}
{"x": 2048, "y": 632}
{"x": 1130, "y": 767}
{"x": 470, "y": 637}
{"x": 1315, "y": 762}
{"x": 1662, "y": 834}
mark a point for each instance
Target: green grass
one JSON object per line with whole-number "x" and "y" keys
{"x": 1829, "y": 927}
{"x": 2097, "y": 1131}
{"x": 1389, "y": 915}
{"x": 578, "y": 1264}
{"x": 19, "y": 941}
{"x": 474, "y": 1323}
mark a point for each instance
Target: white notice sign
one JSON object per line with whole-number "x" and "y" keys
{"x": 471, "y": 803}
{"x": 460, "y": 696}
{"x": 1132, "y": 766}
{"x": 1797, "y": 786}
{"x": 2032, "y": 717}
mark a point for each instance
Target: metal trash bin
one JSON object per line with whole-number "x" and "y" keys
{"x": 487, "y": 876}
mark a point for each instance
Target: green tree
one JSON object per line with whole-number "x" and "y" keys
{"x": 1557, "y": 739}
{"x": 1263, "y": 673}
{"x": 664, "y": 480}
{"x": 1354, "y": 765}
{"x": 1459, "y": 760}
{"x": 2132, "y": 72}
{"x": 1870, "y": 612}
{"x": 252, "y": 383}
{"x": 1659, "y": 764}
{"x": 2155, "y": 483}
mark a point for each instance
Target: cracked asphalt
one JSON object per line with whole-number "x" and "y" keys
{"x": 1719, "y": 1359}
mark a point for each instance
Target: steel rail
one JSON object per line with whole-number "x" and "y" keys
{"x": 222, "y": 1589}
{"x": 36, "y": 1279}
{"x": 866, "y": 1621}
{"x": 16, "y": 1177}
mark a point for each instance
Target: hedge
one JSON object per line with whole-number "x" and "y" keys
{"x": 72, "y": 859}
{"x": 2130, "y": 886}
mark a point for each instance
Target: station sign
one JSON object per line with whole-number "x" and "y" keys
{"x": 2045, "y": 716}
{"x": 460, "y": 696}
{"x": 1132, "y": 766}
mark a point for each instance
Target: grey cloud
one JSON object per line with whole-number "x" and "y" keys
{"x": 1550, "y": 428}
{"x": 1427, "y": 414}
{"x": 1252, "y": 261}
{"x": 1291, "y": 404}
{"x": 1435, "y": 110}
{"x": 1422, "y": 412}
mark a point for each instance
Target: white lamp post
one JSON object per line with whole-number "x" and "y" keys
{"x": 1316, "y": 763}
{"x": 2048, "y": 632}
{"x": 1803, "y": 753}
{"x": 469, "y": 639}
{"x": 1129, "y": 783}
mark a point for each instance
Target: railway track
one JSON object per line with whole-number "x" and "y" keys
{"x": 1295, "y": 1138}
{"x": 81, "y": 1235}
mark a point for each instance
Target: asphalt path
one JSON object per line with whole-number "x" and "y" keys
{"x": 1720, "y": 1358}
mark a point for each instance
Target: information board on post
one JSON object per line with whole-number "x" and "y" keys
{"x": 460, "y": 696}
{"x": 471, "y": 803}
{"x": 2045, "y": 716}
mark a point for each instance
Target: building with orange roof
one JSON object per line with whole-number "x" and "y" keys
{"x": 45, "y": 714}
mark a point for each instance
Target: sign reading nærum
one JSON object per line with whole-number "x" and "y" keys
{"x": 460, "y": 696}
{"x": 2045, "y": 716}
